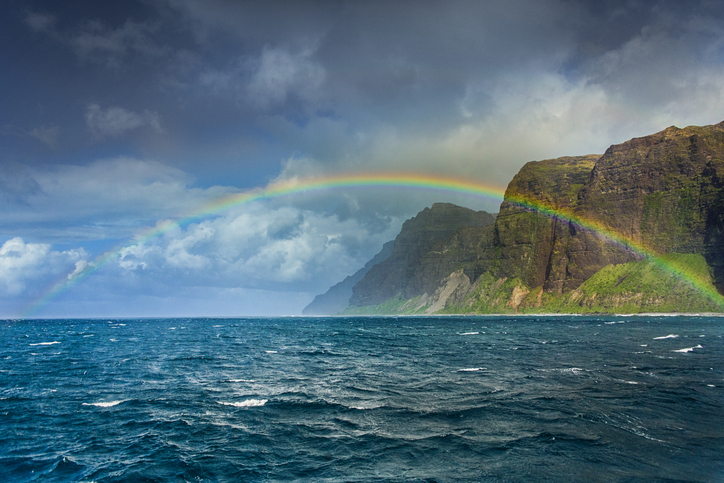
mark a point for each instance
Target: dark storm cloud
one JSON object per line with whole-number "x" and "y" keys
{"x": 258, "y": 76}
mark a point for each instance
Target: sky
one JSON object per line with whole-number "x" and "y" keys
{"x": 118, "y": 117}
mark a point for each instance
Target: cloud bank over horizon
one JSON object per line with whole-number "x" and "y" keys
{"x": 121, "y": 115}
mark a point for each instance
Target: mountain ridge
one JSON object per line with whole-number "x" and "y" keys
{"x": 664, "y": 192}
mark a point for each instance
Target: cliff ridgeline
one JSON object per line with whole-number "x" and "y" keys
{"x": 663, "y": 194}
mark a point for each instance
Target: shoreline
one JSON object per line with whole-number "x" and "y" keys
{"x": 459, "y": 316}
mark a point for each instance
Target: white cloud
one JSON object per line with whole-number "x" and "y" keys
{"x": 107, "y": 198}
{"x": 258, "y": 246}
{"x": 80, "y": 266}
{"x": 130, "y": 257}
{"x": 21, "y": 263}
{"x": 178, "y": 251}
{"x": 280, "y": 73}
{"x": 663, "y": 76}
{"x": 115, "y": 121}
{"x": 268, "y": 80}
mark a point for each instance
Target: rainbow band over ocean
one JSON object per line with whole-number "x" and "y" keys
{"x": 369, "y": 180}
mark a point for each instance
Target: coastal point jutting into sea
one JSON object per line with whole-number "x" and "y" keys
{"x": 361, "y": 241}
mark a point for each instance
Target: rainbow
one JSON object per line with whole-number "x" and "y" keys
{"x": 298, "y": 186}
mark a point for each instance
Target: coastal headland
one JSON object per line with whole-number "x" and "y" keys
{"x": 639, "y": 229}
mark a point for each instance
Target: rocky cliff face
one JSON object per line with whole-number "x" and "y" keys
{"x": 527, "y": 244}
{"x": 662, "y": 191}
{"x": 419, "y": 261}
{"x": 665, "y": 192}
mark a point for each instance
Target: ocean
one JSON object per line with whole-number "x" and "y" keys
{"x": 362, "y": 399}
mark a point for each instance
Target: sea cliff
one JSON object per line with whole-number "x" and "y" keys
{"x": 637, "y": 229}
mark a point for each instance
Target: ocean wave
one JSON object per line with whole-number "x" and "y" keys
{"x": 572, "y": 370}
{"x": 46, "y": 343}
{"x": 387, "y": 404}
{"x": 249, "y": 403}
{"x": 365, "y": 408}
{"x": 670, "y": 336}
{"x": 105, "y": 404}
{"x": 689, "y": 349}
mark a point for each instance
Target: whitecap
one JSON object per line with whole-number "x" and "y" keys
{"x": 241, "y": 380}
{"x": 46, "y": 343}
{"x": 470, "y": 333}
{"x": 366, "y": 408}
{"x": 271, "y": 352}
{"x": 670, "y": 336}
{"x": 107, "y": 404}
{"x": 573, "y": 370}
{"x": 472, "y": 369}
{"x": 249, "y": 403}
{"x": 689, "y": 349}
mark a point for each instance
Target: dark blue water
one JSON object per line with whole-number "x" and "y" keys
{"x": 363, "y": 399}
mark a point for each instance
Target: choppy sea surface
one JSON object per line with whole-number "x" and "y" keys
{"x": 363, "y": 399}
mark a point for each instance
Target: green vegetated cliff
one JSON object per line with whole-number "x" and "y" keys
{"x": 664, "y": 193}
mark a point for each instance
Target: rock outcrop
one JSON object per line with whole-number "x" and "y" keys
{"x": 419, "y": 260}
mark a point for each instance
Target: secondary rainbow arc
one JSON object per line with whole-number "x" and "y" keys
{"x": 370, "y": 180}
